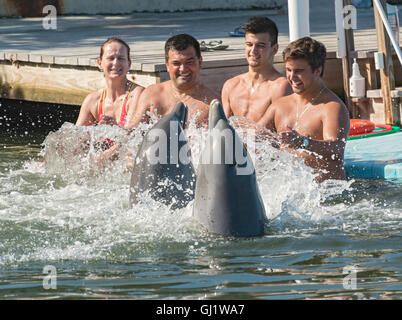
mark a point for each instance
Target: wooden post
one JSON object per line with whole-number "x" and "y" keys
{"x": 347, "y": 67}
{"x": 386, "y": 74}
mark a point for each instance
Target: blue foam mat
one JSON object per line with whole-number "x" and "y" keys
{"x": 375, "y": 157}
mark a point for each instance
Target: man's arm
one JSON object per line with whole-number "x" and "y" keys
{"x": 328, "y": 149}
{"x": 335, "y": 131}
{"x": 132, "y": 106}
{"x": 227, "y": 87}
{"x": 138, "y": 114}
{"x": 265, "y": 127}
{"x": 282, "y": 88}
{"x": 268, "y": 119}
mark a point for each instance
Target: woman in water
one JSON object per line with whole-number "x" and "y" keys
{"x": 115, "y": 103}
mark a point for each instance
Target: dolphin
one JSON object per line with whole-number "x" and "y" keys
{"x": 162, "y": 164}
{"x": 227, "y": 199}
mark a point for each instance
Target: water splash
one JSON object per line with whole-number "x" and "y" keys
{"x": 289, "y": 191}
{"x": 73, "y": 209}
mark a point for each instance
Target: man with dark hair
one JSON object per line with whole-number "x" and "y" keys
{"x": 181, "y": 42}
{"x": 250, "y": 94}
{"x": 313, "y": 122}
{"x": 312, "y": 51}
{"x": 256, "y": 25}
{"x": 183, "y": 62}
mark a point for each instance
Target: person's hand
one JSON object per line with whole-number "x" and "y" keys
{"x": 291, "y": 138}
{"x": 107, "y": 120}
{"x": 130, "y": 161}
{"x": 107, "y": 156}
{"x": 242, "y": 123}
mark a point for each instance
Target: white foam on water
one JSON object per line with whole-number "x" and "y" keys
{"x": 74, "y": 150}
{"x": 73, "y": 209}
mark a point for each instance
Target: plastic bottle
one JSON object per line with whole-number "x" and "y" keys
{"x": 357, "y": 82}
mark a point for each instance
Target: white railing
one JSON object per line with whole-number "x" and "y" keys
{"x": 388, "y": 28}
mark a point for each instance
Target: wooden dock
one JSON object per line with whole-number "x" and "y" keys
{"x": 59, "y": 66}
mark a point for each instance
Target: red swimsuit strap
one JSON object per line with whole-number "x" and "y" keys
{"x": 124, "y": 111}
{"x": 123, "y": 114}
{"x": 101, "y": 102}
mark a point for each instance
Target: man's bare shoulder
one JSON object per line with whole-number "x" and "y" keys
{"x": 233, "y": 82}
{"x": 156, "y": 87}
{"x": 280, "y": 87}
{"x": 138, "y": 88}
{"x": 281, "y": 81}
{"x": 284, "y": 100}
{"x": 334, "y": 104}
{"x": 336, "y": 99}
{"x": 154, "y": 92}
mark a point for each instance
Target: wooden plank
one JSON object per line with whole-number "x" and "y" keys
{"x": 332, "y": 77}
{"x": 225, "y": 63}
{"x": 83, "y": 61}
{"x": 35, "y": 58}
{"x": 149, "y": 67}
{"x": 34, "y": 82}
{"x": 93, "y": 63}
{"x": 376, "y": 93}
{"x": 386, "y": 74}
{"x": 397, "y": 70}
{"x": 215, "y": 78}
{"x": 22, "y": 57}
{"x": 347, "y": 67}
{"x": 369, "y": 72}
{"x": 48, "y": 82}
{"x": 137, "y": 66}
{"x": 67, "y": 61}
{"x": 48, "y": 59}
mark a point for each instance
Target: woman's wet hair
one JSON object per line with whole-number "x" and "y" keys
{"x": 260, "y": 24}
{"x": 115, "y": 39}
{"x": 306, "y": 48}
{"x": 181, "y": 42}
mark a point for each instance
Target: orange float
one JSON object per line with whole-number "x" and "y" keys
{"x": 360, "y": 126}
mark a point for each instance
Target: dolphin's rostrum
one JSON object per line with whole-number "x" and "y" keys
{"x": 162, "y": 165}
{"x": 227, "y": 198}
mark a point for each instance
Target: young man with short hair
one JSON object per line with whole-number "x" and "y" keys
{"x": 250, "y": 94}
{"x": 313, "y": 122}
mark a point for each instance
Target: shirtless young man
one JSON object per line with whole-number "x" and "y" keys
{"x": 250, "y": 94}
{"x": 313, "y": 122}
{"x": 183, "y": 62}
